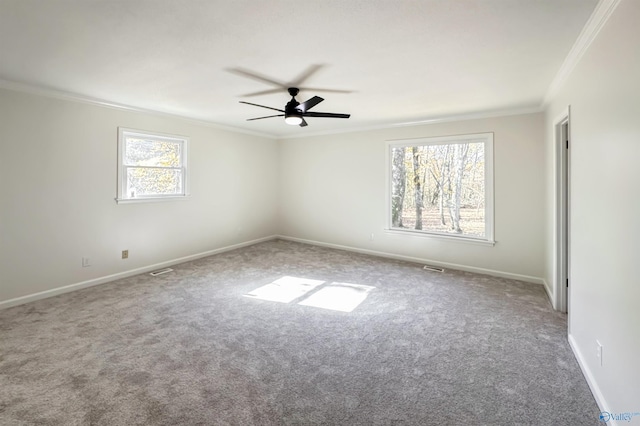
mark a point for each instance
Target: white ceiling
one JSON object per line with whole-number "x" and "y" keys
{"x": 402, "y": 60}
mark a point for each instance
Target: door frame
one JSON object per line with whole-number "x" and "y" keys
{"x": 562, "y": 144}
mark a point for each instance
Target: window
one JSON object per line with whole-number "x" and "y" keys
{"x": 151, "y": 167}
{"x": 442, "y": 186}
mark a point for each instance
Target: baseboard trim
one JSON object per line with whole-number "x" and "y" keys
{"x": 101, "y": 280}
{"x": 108, "y": 278}
{"x": 492, "y": 272}
{"x": 586, "y": 372}
{"x": 550, "y": 294}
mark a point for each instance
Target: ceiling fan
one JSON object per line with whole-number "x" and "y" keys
{"x": 294, "y": 112}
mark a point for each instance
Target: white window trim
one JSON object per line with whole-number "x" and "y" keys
{"x": 487, "y": 139}
{"x": 121, "y": 198}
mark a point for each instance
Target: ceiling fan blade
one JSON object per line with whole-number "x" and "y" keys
{"x": 262, "y": 92}
{"x": 312, "y": 69}
{"x": 256, "y": 76}
{"x": 326, "y": 115}
{"x": 268, "y": 116}
{"x": 262, "y": 106}
{"x": 311, "y": 89}
{"x": 303, "y": 123}
{"x": 310, "y": 103}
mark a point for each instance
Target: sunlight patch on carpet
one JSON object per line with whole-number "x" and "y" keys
{"x": 342, "y": 297}
{"x": 285, "y": 289}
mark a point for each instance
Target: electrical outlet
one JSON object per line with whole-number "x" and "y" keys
{"x": 86, "y": 261}
{"x": 125, "y": 254}
{"x": 371, "y": 237}
{"x": 599, "y": 352}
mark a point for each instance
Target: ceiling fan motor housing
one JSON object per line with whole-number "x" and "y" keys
{"x": 292, "y": 108}
{"x": 293, "y": 91}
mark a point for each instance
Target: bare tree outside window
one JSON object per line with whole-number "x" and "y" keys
{"x": 439, "y": 187}
{"x": 399, "y": 183}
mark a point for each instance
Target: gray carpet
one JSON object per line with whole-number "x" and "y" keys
{"x": 187, "y": 348}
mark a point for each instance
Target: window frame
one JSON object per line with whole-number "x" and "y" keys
{"x": 122, "y": 196}
{"x": 488, "y": 139}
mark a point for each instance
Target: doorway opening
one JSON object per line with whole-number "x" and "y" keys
{"x": 562, "y": 145}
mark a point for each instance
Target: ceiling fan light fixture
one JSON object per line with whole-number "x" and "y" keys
{"x": 293, "y": 120}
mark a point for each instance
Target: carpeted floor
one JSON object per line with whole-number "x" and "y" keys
{"x": 188, "y": 348}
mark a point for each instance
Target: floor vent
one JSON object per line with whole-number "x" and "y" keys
{"x": 160, "y": 272}
{"x": 432, "y": 268}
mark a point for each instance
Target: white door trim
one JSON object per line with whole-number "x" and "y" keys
{"x": 562, "y": 134}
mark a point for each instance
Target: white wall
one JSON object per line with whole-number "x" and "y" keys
{"x": 58, "y": 184}
{"x": 333, "y": 190}
{"x": 604, "y": 294}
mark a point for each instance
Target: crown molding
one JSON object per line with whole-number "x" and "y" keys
{"x": 74, "y": 97}
{"x": 596, "y": 21}
{"x": 434, "y": 120}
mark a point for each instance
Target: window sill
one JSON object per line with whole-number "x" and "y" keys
{"x": 151, "y": 199}
{"x": 453, "y": 238}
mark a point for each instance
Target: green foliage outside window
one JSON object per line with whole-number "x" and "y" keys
{"x": 153, "y": 167}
